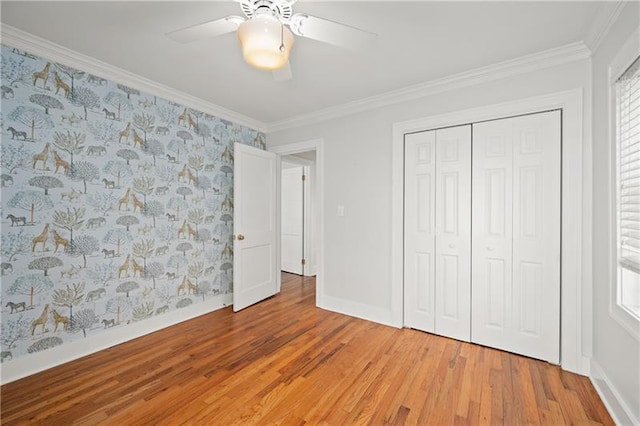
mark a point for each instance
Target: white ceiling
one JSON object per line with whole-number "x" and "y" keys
{"x": 417, "y": 41}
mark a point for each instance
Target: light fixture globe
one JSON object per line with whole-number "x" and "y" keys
{"x": 266, "y": 43}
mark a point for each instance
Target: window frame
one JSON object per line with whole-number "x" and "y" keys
{"x": 625, "y": 57}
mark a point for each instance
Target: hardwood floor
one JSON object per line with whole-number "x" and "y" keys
{"x": 284, "y": 361}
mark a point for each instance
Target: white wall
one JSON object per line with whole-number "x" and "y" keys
{"x": 616, "y": 352}
{"x": 357, "y": 263}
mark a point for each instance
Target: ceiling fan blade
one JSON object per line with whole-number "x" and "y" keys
{"x": 206, "y": 30}
{"x": 330, "y": 32}
{"x": 283, "y": 74}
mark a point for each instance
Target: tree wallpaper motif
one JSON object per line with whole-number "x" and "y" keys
{"x": 116, "y": 205}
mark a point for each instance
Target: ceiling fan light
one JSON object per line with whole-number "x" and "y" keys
{"x": 261, "y": 39}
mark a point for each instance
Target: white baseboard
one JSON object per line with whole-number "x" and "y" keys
{"x": 310, "y": 272}
{"x": 358, "y": 310}
{"x": 40, "y": 361}
{"x": 618, "y": 409}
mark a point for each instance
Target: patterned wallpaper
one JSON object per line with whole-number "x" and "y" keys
{"x": 116, "y": 205}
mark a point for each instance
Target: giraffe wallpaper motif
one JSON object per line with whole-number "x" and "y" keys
{"x": 117, "y": 206}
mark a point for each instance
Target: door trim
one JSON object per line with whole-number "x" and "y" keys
{"x": 575, "y": 310}
{"x": 316, "y": 145}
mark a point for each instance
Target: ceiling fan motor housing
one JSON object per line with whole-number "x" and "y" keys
{"x": 280, "y": 9}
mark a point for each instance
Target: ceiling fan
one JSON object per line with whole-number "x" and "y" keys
{"x": 266, "y": 34}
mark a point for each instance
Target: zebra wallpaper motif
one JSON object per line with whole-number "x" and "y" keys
{"x": 116, "y": 205}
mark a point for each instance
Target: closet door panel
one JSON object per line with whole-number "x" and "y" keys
{"x": 453, "y": 232}
{"x": 536, "y": 229}
{"x": 419, "y": 259}
{"x": 516, "y": 235}
{"x": 492, "y": 234}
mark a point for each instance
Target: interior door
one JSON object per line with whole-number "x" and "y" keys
{"x": 254, "y": 218}
{"x": 419, "y": 224}
{"x": 292, "y": 218}
{"x": 453, "y": 233}
{"x": 516, "y": 235}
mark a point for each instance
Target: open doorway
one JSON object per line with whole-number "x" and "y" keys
{"x": 309, "y": 155}
{"x": 297, "y": 190}
{"x": 297, "y": 195}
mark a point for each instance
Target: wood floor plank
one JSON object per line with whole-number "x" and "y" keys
{"x": 400, "y": 383}
{"x": 284, "y": 361}
{"x": 418, "y": 399}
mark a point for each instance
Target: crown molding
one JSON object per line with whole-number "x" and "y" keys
{"x": 607, "y": 15}
{"x": 522, "y": 65}
{"x": 19, "y": 39}
{"x": 22, "y": 40}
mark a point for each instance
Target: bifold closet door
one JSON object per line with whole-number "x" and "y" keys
{"x": 437, "y": 231}
{"x": 419, "y": 230}
{"x": 516, "y": 235}
{"x": 453, "y": 232}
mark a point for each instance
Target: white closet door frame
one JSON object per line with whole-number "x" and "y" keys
{"x": 576, "y": 312}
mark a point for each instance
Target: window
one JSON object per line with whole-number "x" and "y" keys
{"x": 628, "y": 188}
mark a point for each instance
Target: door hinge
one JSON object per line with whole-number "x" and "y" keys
{"x": 304, "y": 261}
{"x": 304, "y": 177}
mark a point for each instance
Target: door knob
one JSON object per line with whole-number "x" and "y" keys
{"x": 240, "y": 237}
